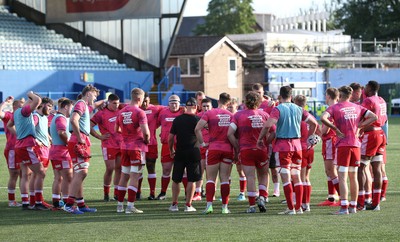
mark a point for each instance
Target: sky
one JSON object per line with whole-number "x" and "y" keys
{"x": 280, "y": 8}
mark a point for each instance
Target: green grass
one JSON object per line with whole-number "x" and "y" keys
{"x": 157, "y": 223}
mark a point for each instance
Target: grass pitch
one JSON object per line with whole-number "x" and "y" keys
{"x": 157, "y": 223}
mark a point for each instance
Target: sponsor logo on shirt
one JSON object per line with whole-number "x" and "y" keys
{"x": 112, "y": 120}
{"x": 349, "y": 113}
{"x": 224, "y": 120}
{"x": 148, "y": 111}
{"x": 127, "y": 117}
{"x": 256, "y": 121}
{"x": 169, "y": 119}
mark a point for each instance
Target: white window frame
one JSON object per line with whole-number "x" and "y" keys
{"x": 188, "y": 66}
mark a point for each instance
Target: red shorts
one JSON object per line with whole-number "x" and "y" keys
{"x": 307, "y": 158}
{"x": 373, "y": 143}
{"x": 61, "y": 164}
{"x": 254, "y": 157}
{"x": 203, "y": 152}
{"x": 329, "y": 149}
{"x": 348, "y": 156}
{"x": 288, "y": 159}
{"x": 42, "y": 153}
{"x": 133, "y": 158}
{"x": 110, "y": 153}
{"x": 214, "y": 157}
{"x": 74, "y": 157}
{"x": 165, "y": 155}
{"x": 26, "y": 156}
{"x": 152, "y": 152}
{"x": 10, "y": 158}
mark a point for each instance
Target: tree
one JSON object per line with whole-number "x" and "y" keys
{"x": 228, "y": 17}
{"x": 369, "y": 19}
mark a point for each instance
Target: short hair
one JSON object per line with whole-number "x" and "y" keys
{"x": 257, "y": 86}
{"x": 373, "y": 86}
{"x": 285, "y": 92}
{"x": 113, "y": 97}
{"x": 136, "y": 92}
{"x": 253, "y": 100}
{"x": 345, "y": 91}
{"x": 90, "y": 88}
{"x": 60, "y": 100}
{"x": 79, "y": 96}
{"x": 332, "y": 92}
{"x": 224, "y": 98}
{"x": 206, "y": 100}
{"x": 66, "y": 102}
{"x": 46, "y": 100}
{"x": 199, "y": 93}
{"x": 146, "y": 95}
{"x": 355, "y": 86}
{"x": 300, "y": 100}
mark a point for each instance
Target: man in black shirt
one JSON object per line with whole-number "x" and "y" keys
{"x": 186, "y": 155}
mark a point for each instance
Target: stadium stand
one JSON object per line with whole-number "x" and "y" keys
{"x": 26, "y": 46}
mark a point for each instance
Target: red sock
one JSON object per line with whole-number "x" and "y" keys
{"x": 307, "y": 193}
{"x": 32, "y": 199}
{"x": 385, "y": 183}
{"x": 25, "y": 198}
{"x": 152, "y": 183}
{"x": 121, "y": 193}
{"x": 188, "y": 204}
{"x": 242, "y": 183}
{"x": 132, "y": 194}
{"x": 225, "y": 190}
{"x": 344, "y": 204}
{"x": 139, "y": 188}
{"x": 184, "y": 182}
{"x": 298, "y": 190}
{"x": 361, "y": 198}
{"x": 210, "y": 191}
{"x": 70, "y": 201}
{"x": 262, "y": 190}
{"x": 38, "y": 196}
{"x": 376, "y": 197}
{"x": 164, "y": 183}
{"x": 106, "y": 189}
{"x": 252, "y": 198}
{"x": 11, "y": 195}
{"x": 288, "y": 190}
{"x": 331, "y": 188}
{"x": 80, "y": 202}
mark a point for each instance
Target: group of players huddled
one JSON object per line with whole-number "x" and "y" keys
{"x": 260, "y": 136}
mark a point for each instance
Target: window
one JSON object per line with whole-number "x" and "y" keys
{"x": 232, "y": 73}
{"x": 189, "y": 66}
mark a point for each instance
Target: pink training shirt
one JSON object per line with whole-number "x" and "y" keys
{"x": 152, "y": 113}
{"x": 304, "y": 135}
{"x": 105, "y": 119}
{"x": 346, "y": 116}
{"x": 330, "y": 134}
{"x": 377, "y": 105}
{"x": 165, "y": 118}
{"x": 60, "y": 152}
{"x": 11, "y": 138}
{"x": 129, "y": 120}
{"x": 285, "y": 145}
{"x": 248, "y": 124}
{"x": 218, "y": 121}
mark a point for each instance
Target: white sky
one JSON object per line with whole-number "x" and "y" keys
{"x": 280, "y": 8}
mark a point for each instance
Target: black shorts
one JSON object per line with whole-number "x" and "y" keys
{"x": 272, "y": 161}
{"x": 189, "y": 159}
